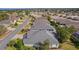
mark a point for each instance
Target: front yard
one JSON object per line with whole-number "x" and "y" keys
{"x": 68, "y": 46}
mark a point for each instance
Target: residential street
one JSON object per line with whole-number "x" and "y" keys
{"x": 66, "y": 21}
{"x": 6, "y": 40}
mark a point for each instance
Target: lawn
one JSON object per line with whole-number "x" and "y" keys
{"x": 10, "y": 48}
{"x": 67, "y": 46}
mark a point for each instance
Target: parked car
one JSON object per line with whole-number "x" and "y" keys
{"x": 75, "y": 37}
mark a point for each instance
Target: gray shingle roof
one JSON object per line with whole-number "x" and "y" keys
{"x": 39, "y": 33}
{"x": 40, "y": 36}
{"x": 41, "y": 23}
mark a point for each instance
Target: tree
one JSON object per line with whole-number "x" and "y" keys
{"x": 27, "y": 12}
{"x": 16, "y": 24}
{"x": 3, "y": 16}
{"x": 53, "y": 23}
{"x": 71, "y": 29}
{"x": 19, "y": 44}
{"x": 46, "y": 44}
{"x": 42, "y": 45}
{"x": 48, "y": 18}
{"x": 11, "y": 43}
{"x": 63, "y": 34}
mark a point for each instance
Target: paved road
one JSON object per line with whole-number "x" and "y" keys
{"x": 6, "y": 40}
{"x": 66, "y": 21}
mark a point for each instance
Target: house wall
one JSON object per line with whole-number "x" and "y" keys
{"x": 28, "y": 45}
{"x": 55, "y": 46}
{"x": 51, "y": 46}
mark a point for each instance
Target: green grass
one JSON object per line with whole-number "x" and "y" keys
{"x": 10, "y": 48}
{"x": 25, "y": 48}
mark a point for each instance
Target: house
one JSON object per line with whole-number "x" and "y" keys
{"x": 39, "y": 32}
{"x": 13, "y": 17}
{"x": 40, "y": 36}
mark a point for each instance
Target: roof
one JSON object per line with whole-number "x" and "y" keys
{"x": 40, "y": 31}
{"x": 41, "y": 23}
{"x": 39, "y": 36}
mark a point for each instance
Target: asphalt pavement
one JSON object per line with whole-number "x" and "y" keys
{"x": 7, "y": 39}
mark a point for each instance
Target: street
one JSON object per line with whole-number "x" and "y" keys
{"x": 6, "y": 40}
{"x": 66, "y": 21}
